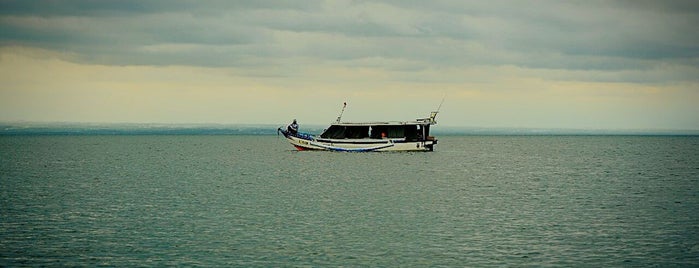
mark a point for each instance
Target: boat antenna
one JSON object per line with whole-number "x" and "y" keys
{"x": 440, "y": 104}
{"x": 433, "y": 115}
{"x": 339, "y": 117}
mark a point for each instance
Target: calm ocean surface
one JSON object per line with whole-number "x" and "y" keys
{"x": 476, "y": 201}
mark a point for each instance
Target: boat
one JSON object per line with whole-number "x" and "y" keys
{"x": 367, "y": 136}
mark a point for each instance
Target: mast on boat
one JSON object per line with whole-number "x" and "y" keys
{"x": 339, "y": 117}
{"x": 433, "y": 115}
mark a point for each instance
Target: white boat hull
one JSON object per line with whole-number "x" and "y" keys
{"x": 308, "y": 142}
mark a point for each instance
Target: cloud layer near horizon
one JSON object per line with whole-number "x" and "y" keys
{"x": 586, "y": 64}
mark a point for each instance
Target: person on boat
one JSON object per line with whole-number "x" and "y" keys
{"x": 293, "y": 128}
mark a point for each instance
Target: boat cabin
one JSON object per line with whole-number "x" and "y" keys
{"x": 411, "y": 131}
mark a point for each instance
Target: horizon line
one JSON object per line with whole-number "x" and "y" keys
{"x": 127, "y": 128}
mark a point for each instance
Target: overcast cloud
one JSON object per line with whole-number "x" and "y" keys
{"x": 450, "y": 44}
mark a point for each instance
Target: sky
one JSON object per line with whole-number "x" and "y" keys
{"x": 589, "y": 64}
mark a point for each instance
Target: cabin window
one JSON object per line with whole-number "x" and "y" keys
{"x": 334, "y": 132}
{"x": 346, "y": 132}
{"x": 357, "y": 132}
{"x": 377, "y": 130}
{"x": 409, "y": 132}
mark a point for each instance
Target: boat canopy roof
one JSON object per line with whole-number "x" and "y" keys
{"x": 348, "y": 124}
{"x": 420, "y": 121}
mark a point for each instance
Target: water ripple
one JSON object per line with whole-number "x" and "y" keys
{"x": 253, "y": 201}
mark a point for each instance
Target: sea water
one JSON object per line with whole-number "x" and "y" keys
{"x": 476, "y": 201}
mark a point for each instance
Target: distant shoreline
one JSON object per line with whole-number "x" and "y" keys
{"x": 18, "y": 129}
